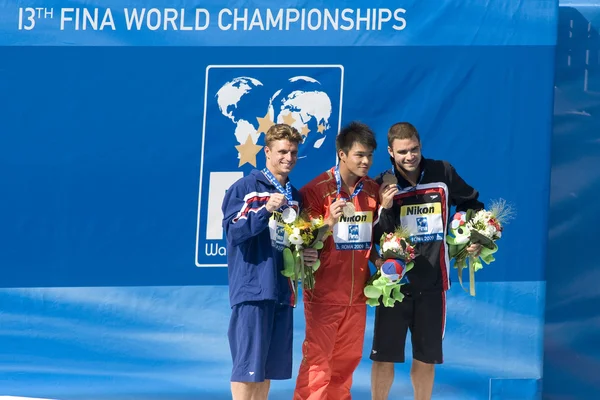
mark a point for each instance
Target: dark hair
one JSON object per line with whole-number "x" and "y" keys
{"x": 402, "y": 130}
{"x": 355, "y": 132}
{"x": 282, "y": 132}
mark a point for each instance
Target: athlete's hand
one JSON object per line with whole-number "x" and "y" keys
{"x": 474, "y": 250}
{"x": 335, "y": 212}
{"x": 310, "y": 256}
{"x": 386, "y": 195}
{"x": 379, "y": 263}
{"x": 276, "y": 201}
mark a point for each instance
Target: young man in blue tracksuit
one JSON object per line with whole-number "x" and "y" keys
{"x": 261, "y": 326}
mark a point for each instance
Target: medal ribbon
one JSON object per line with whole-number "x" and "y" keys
{"x": 410, "y": 188}
{"x": 338, "y": 181}
{"x": 287, "y": 192}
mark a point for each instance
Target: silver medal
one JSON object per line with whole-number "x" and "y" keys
{"x": 289, "y": 215}
{"x": 349, "y": 210}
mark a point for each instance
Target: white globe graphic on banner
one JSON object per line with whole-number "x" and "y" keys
{"x": 300, "y": 102}
{"x": 228, "y": 98}
{"x": 303, "y": 104}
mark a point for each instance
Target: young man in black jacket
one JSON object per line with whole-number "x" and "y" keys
{"x": 417, "y": 193}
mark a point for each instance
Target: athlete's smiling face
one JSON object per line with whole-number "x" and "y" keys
{"x": 358, "y": 160}
{"x": 406, "y": 154}
{"x": 281, "y": 156}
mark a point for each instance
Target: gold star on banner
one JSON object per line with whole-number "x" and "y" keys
{"x": 288, "y": 119}
{"x": 304, "y": 131}
{"x": 248, "y": 152}
{"x": 264, "y": 123}
{"x": 321, "y": 128}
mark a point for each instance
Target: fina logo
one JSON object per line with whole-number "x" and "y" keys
{"x": 241, "y": 102}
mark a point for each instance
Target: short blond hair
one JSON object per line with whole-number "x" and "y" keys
{"x": 282, "y": 132}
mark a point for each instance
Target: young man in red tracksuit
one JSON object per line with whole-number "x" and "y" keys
{"x": 335, "y": 310}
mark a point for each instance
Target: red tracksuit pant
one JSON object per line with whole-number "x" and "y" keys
{"x": 331, "y": 351}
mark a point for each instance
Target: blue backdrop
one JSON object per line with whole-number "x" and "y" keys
{"x": 571, "y": 352}
{"x": 123, "y": 124}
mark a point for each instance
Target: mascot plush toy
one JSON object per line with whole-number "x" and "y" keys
{"x": 386, "y": 283}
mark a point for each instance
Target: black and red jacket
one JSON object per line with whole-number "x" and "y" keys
{"x": 425, "y": 209}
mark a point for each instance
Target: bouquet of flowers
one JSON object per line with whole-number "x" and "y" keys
{"x": 399, "y": 253}
{"x": 303, "y": 233}
{"x": 483, "y": 227}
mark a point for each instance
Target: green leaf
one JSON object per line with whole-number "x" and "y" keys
{"x": 316, "y": 265}
{"x": 469, "y": 214}
{"x": 318, "y": 245}
{"x": 287, "y": 273}
{"x": 289, "y": 263}
{"x": 320, "y": 234}
{"x": 287, "y": 255}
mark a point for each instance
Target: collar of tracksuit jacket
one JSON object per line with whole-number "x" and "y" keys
{"x": 402, "y": 182}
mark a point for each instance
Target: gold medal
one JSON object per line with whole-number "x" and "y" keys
{"x": 349, "y": 210}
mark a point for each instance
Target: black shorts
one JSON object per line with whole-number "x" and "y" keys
{"x": 425, "y": 315}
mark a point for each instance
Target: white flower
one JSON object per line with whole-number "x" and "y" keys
{"x": 296, "y": 231}
{"x": 390, "y": 246}
{"x": 296, "y": 238}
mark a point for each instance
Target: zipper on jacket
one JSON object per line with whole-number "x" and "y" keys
{"x": 352, "y": 288}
